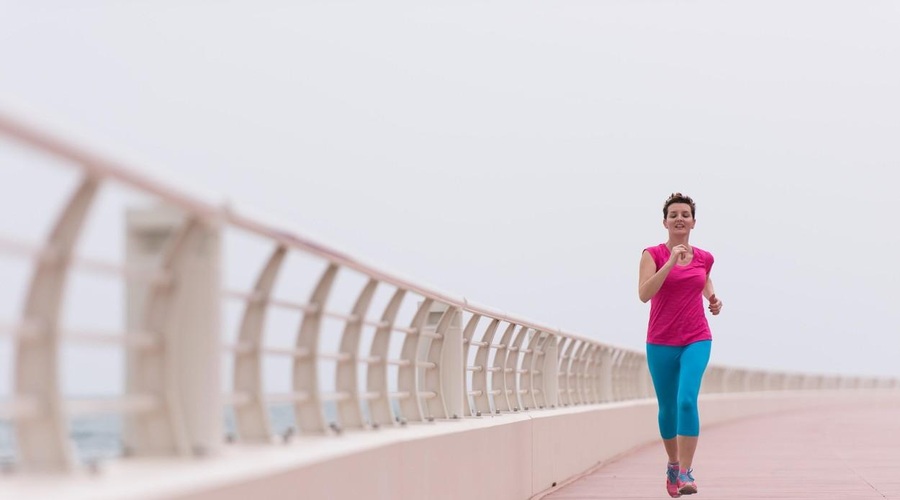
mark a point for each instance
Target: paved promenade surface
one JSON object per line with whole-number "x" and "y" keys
{"x": 836, "y": 453}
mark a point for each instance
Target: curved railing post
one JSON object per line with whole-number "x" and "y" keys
{"x": 252, "y": 418}
{"x": 448, "y": 378}
{"x": 43, "y": 438}
{"x": 569, "y": 369}
{"x": 377, "y": 382}
{"x": 584, "y": 373}
{"x": 480, "y": 383}
{"x": 349, "y": 408}
{"x": 499, "y": 380}
{"x": 594, "y": 374}
{"x": 532, "y": 373}
{"x": 308, "y": 407}
{"x": 468, "y": 332}
{"x": 512, "y": 374}
{"x": 408, "y": 379}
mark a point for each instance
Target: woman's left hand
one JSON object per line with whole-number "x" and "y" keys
{"x": 715, "y": 305}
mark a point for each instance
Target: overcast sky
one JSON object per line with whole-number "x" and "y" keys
{"x": 519, "y": 153}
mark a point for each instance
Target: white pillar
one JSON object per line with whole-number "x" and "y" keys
{"x": 550, "y": 369}
{"x": 185, "y": 315}
{"x": 451, "y": 369}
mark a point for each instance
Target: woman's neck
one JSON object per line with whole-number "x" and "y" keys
{"x": 677, "y": 241}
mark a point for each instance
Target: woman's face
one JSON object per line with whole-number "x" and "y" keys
{"x": 679, "y": 219}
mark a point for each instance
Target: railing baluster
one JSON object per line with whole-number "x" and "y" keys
{"x": 446, "y": 352}
{"x": 511, "y": 377}
{"x": 377, "y": 373}
{"x": 590, "y": 381}
{"x": 252, "y": 419}
{"x": 480, "y": 381}
{"x": 310, "y": 413}
{"x": 565, "y": 373}
{"x": 408, "y": 376}
{"x": 468, "y": 332}
{"x": 526, "y": 379}
{"x": 498, "y": 379}
{"x": 580, "y": 373}
{"x": 43, "y": 440}
{"x": 350, "y": 409}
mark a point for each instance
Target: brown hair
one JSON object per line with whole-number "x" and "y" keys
{"x": 679, "y": 198}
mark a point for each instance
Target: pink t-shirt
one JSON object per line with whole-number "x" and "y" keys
{"x": 677, "y": 317}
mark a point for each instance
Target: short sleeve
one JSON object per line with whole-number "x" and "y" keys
{"x": 657, "y": 256}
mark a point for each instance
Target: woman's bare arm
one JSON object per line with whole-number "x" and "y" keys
{"x": 651, "y": 280}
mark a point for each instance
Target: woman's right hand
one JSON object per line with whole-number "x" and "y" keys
{"x": 678, "y": 252}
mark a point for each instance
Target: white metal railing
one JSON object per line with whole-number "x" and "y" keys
{"x": 422, "y": 354}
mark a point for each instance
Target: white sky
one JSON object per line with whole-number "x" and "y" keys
{"x": 519, "y": 153}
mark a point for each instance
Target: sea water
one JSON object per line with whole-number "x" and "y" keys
{"x": 100, "y": 437}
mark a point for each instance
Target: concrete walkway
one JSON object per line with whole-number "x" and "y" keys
{"x": 836, "y": 453}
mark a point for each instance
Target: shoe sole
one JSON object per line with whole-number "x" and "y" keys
{"x": 687, "y": 490}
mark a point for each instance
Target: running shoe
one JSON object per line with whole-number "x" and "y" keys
{"x": 672, "y": 480}
{"x": 685, "y": 482}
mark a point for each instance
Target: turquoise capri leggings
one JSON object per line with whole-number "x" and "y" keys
{"x": 677, "y": 372}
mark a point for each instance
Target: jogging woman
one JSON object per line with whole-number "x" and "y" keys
{"x": 674, "y": 277}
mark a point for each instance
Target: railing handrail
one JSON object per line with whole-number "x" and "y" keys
{"x": 105, "y": 166}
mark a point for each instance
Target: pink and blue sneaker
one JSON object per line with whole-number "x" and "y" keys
{"x": 672, "y": 480}
{"x": 685, "y": 482}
